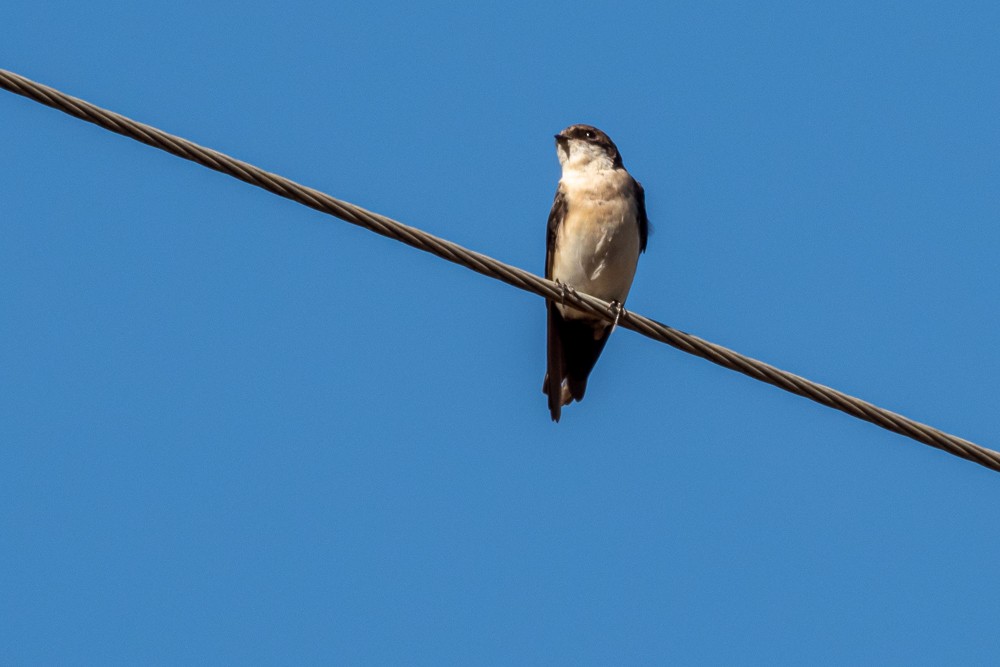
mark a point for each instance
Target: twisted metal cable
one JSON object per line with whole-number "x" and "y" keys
{"x": 495, "y": 269}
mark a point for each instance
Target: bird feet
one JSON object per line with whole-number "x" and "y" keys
{"x": 616, "y": 309}
{"x": 564, "y": 289}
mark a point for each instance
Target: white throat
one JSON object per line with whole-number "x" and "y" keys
{"x": 581, "y": 156}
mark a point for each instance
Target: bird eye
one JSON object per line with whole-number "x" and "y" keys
{"x": 589, "y": 134}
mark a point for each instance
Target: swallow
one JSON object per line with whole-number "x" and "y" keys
{"x": 597, "y": 229}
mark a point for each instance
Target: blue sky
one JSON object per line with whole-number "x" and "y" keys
{"x": 233, "y": 430}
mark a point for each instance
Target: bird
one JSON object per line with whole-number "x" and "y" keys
{"x": 597, "y": 229}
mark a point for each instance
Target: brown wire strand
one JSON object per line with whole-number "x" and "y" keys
{"x": 496, "y": 269}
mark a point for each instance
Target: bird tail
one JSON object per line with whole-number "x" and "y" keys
{"x": 573, "y": 348}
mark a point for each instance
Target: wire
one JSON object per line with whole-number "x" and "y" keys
{"x": 495, "y": 269}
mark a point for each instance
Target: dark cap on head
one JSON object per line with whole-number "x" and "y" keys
{"x": 591, "y": 135}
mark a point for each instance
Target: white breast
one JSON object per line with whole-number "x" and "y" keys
{"x": 597, "y": 244}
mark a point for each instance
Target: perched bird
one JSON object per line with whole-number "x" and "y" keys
{"x": 597, "y": 229}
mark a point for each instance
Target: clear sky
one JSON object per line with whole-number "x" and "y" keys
{"x": 236, "y": 431}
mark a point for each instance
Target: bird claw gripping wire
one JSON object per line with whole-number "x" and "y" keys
{"x": 563, "y": 288}
{"x": 617, "y": 309}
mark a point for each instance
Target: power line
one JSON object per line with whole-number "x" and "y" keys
{"x": 496, "y": 269}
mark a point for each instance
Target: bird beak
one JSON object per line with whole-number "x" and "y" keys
{"x": 561, "y": 139}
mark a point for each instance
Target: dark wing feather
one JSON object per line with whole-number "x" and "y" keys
{"x": 555, "y": 364}
{"x": 555, "y": 367}
{"x": 640, "y": 196}
{"x": 556, "y": 216}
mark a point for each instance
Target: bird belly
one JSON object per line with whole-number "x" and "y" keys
{"x": 597, "y": 250}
